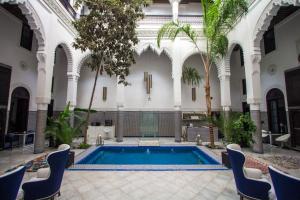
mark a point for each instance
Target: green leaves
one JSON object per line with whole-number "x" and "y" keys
{"x": 109, "y": 32}
{"x": 172, "y": 29}
{"x": 190, "y": 76}
{"x": 61, "y": 129}
{"x": 219, "y": 19}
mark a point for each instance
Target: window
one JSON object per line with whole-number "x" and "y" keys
{"x": 269, "y": 41}
{"x": 244, "y": 86}
{"x": 26, "y": 37}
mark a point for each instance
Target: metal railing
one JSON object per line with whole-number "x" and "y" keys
{"x": 68, "y": 7}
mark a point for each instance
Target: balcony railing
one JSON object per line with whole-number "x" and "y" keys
{"x": 161, "y": 19}
{"x": 68, "y": 7}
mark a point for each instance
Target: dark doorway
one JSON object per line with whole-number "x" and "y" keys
{"x": 18, "y": 115}
{"x": 292, "y": 79}
{"x": 5, "y": 74}
{"x": 276, "y": 111}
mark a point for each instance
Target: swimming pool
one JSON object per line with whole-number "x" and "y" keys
{"x": 147, "y": 158}
{"x": 135, "y": 155}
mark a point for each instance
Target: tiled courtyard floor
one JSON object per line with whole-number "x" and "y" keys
{"x": 126, "y": 185}
{"x": 143, "y": 185}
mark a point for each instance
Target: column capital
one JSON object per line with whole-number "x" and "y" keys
{"x": 224, "y": 76}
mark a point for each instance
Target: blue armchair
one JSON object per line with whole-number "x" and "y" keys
{"x": 248, "y": 181}
{"x": 44, "y": 188}
{"x": 286, "y": 186}
{"x": 10, "y": 183}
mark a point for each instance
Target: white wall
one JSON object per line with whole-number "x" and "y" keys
{"x": 190, "y": 9}
{"x": 236, "y": 86}
{"x": 158, "y": 9}
{"x": 186, "y": 91}
{"x": 85, "y": 87}
{"x": 60, "y": 80}
{"x": 287, "y": 33}
{"x": 160, "y": 67}
{"x": 15, "y": 56}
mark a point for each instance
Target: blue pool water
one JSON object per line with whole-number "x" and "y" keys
{"x": 133, "y": 155}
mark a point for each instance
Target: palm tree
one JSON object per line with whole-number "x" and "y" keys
{"x": 190, "y": 76}
{"x": 219, "y": 16}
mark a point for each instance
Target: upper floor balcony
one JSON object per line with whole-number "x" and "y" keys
{"x": 69, "y": 8}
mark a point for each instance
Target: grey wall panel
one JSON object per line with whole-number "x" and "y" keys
{"x": 166, "y": 124}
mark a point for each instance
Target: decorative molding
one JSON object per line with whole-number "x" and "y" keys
{"x": 142, "y": 47}
{"x": 33, "y": 19}
{"x": 68, "y": 53}
{"x": 266, "y": 17}
{"x": 62, "y": 13}
{"x": 152, "y": 33}
{"x": 162, "y": 19}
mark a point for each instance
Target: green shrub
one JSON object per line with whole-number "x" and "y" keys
{"x": 236, "y": 127}
{"x": 84, "y": 146}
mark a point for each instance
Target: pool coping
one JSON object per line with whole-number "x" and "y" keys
{"x": 99, "y": 167}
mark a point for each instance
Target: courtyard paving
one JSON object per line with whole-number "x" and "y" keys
{"x": 142, "y": 185}
{"x": 149, "y": 185}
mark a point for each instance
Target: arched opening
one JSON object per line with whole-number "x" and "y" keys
{"x": 276, "y": 111}
{"x": 278, "y": 43}
{"x": 105, "y": 92}
{"x": 193, "y": 96}
{"x": 238, "y": 86}
{"x": 150, "y": 96}
{"x": 19, "y": 107}
{"x": 59, "y": 82}
{"x": 20, "y": 39}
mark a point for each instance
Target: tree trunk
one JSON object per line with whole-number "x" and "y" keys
{"x": 90, "y": 106}
{"x": 208, "y": 104}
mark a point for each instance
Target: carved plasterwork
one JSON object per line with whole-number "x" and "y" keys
{"x": 62, "y": 13}
{"x": 142, "y": 47}
{"x": 33, "y": 20}
{"x": 267, "y": 16}
{"x": 68, "y": 53}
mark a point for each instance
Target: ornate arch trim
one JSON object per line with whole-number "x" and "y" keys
{"x": 266, "y": 17}
{"x": 34, "y": 21}
{"x": 68, "y": 53}
{"x": 140, "y": 49}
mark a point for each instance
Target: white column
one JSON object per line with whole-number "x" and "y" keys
{"x": 42, "y": 100}
{"x": 252, "y": 66}
{"x": 225, "y": 91}
{"x": 176, "y": 75}
{"x": 120, "y": 109}
{"x": 120, "y": 96}
{"x": 175, "y": 9}
{"x": 72, "y": 89}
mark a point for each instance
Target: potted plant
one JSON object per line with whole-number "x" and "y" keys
{"x": 62, "y": 130}
{"x": 237, "y": 128}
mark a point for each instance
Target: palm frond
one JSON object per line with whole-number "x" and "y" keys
{"x": 172, "y": 29}
{"x": 190, "y": 76}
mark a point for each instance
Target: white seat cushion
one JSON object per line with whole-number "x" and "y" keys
{"x": 43, "y": 173}
{"x": 253, "y": 173}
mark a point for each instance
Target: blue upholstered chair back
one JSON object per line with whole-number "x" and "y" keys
{"x": 286, "y": 187}
{"x": 10, "y": 183}
{"x": 246, "y": 187}
{"x": 48, "y": 187}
